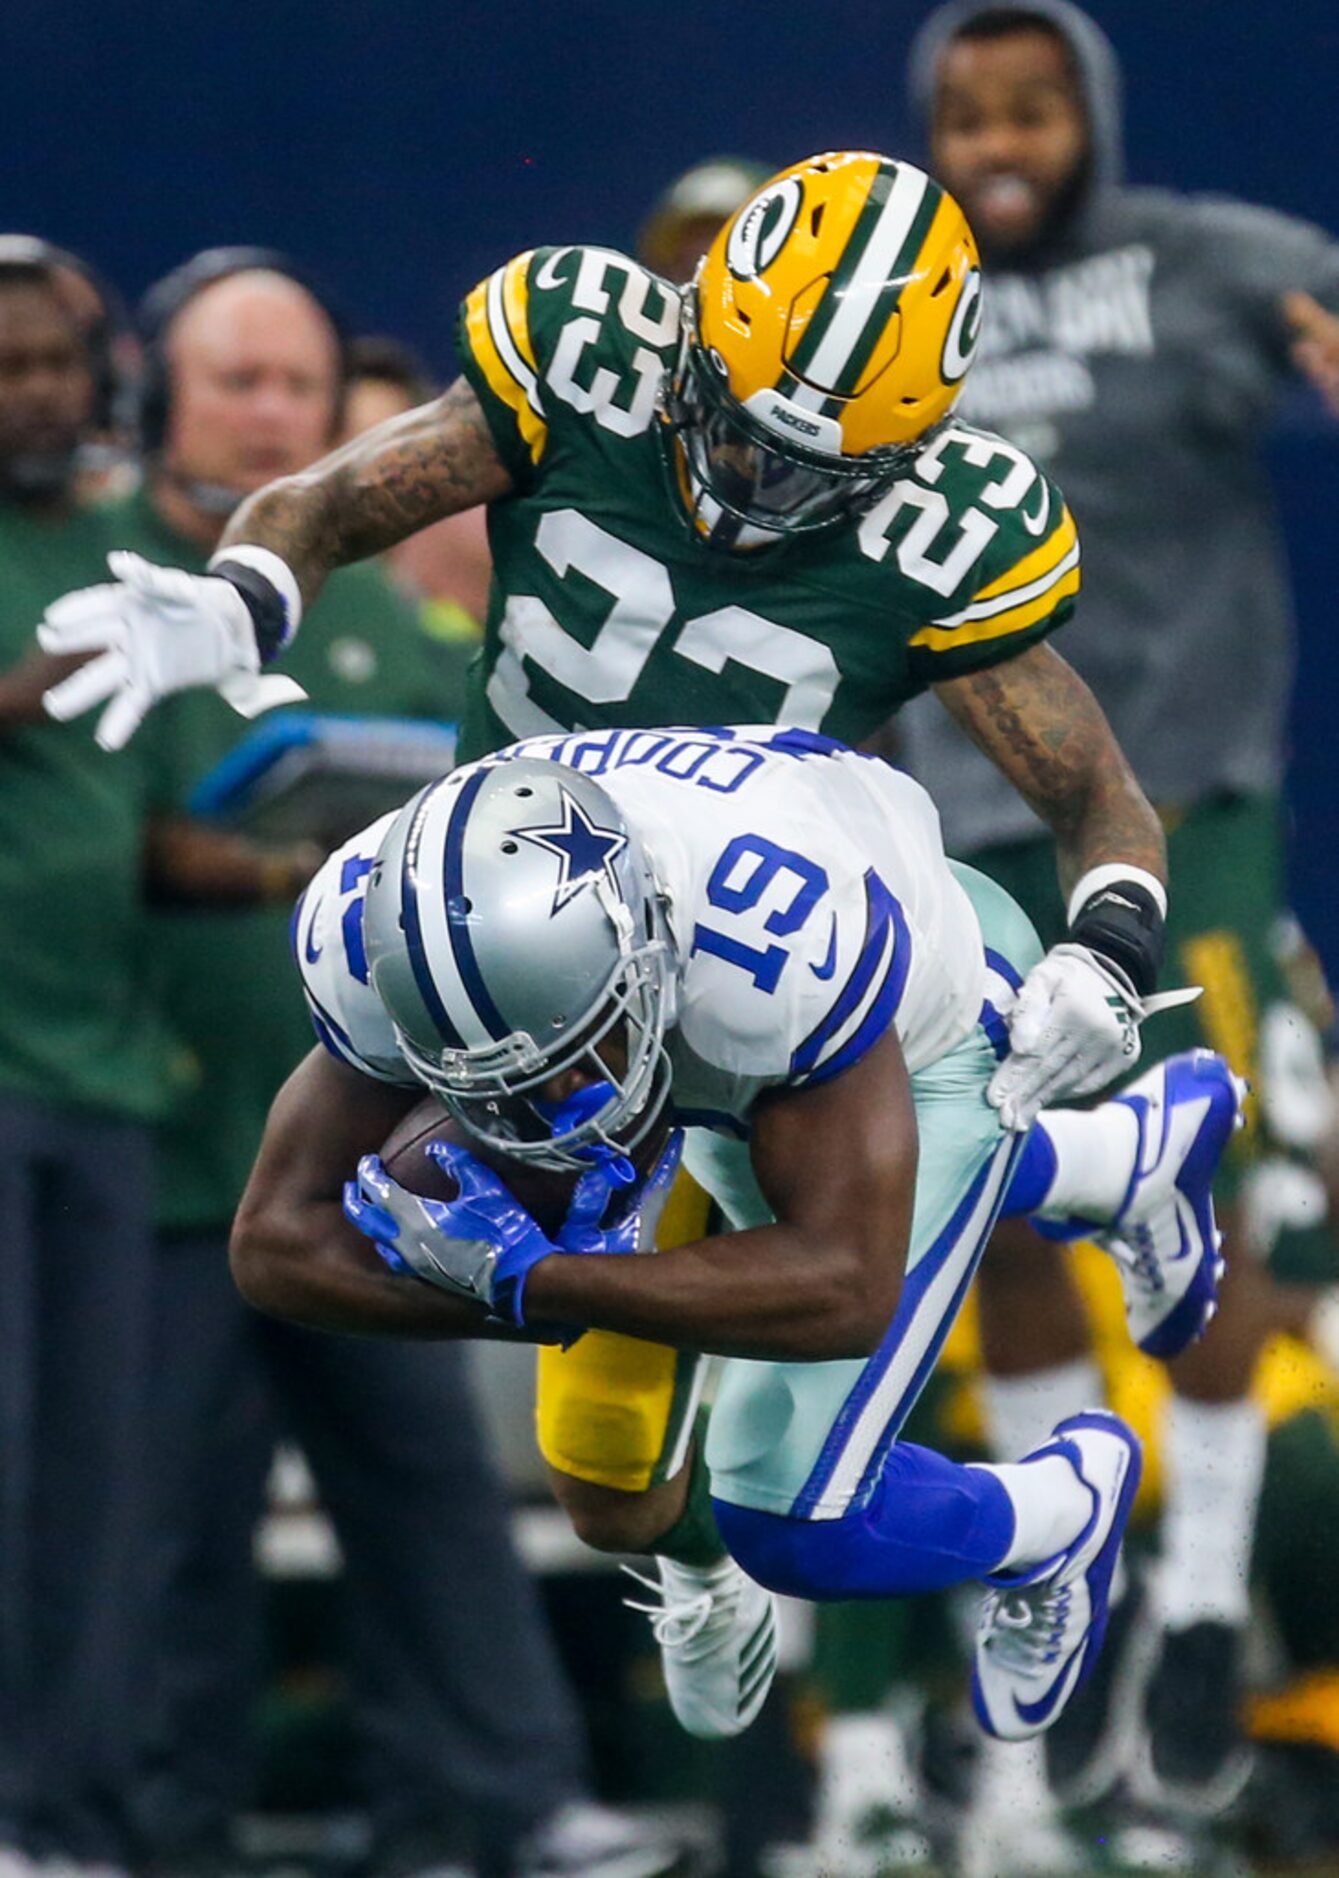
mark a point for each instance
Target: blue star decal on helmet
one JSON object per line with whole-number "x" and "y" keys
{"x": 583, "y": 849}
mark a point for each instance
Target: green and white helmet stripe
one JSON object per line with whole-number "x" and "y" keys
{"x": 866, "y": 285}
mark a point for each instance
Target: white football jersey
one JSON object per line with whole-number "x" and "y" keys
{"x": 809, "y": 900}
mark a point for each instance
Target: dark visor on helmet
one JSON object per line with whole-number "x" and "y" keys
{"x": 758, "y": 478}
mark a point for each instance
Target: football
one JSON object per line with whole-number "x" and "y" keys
{"x": 544, "y": 1192}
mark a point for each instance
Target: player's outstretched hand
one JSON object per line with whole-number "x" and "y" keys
{"x": 1074, "y": 1028}
{"x": 155, "y": 630}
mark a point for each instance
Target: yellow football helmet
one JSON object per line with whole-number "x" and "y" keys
{"x": 825, "y": 336}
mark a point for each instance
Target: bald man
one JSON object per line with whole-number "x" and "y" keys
{"x": 254, "y": 375}
{"x": 455, "y": 1679}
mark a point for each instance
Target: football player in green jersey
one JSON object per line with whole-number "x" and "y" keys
{"x": 739, "y": 503}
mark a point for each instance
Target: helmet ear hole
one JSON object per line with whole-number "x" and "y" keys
{"x": 816, "y": 219}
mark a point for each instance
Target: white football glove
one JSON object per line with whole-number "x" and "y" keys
{"x": 1074, "y": 1029}
{"x": 157, "y": 630}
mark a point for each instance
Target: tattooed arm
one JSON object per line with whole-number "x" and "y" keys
{"x": 386, "y": 484}
{"x": 1074, "y": 1026}
{"x": 1038, "y": 722}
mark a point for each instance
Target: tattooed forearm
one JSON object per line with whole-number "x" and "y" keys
{"x": 1039, "y": 723}
{"x": 384, "y": 485}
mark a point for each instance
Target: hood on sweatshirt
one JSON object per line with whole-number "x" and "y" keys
{"x": 1095, "y": 63}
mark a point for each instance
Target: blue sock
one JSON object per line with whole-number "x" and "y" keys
{"x": 929, "y": 1523}
{"x": 1033, "y": 1173}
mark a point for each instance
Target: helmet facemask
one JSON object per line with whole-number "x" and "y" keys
{"x": 737, "y": 472}
{"x": 495, "y": 1091}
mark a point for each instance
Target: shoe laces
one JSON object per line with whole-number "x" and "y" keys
{"x": 678, "y": 1618}
{"x": 1026, "y": 1626}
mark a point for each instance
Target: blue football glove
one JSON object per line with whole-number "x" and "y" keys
{"x": 483, "y": 1244}
{"x": 635, "y": 1230}
{"x": 582, "y": 1232}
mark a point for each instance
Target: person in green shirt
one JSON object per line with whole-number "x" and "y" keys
{"x": 81, "y": 1078}
{"x": 461, "y": 1691}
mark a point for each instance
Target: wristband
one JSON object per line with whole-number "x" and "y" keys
{"x": 270, "y": 592}
{"x": 1120, "y": 913}
{"x": 1103, "y": 876}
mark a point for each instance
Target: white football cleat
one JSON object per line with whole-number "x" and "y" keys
{"x": 1040, "y": 1631}
{"x": 1164, "y": 1239}
{"x": 717, "y": 1633}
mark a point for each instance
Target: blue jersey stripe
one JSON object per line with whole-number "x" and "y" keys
{"x": 881, "y": 1013}
{"x": 293, "y": 921}
{"x": 1007, "y": 971}
{"x": 995, "y": 1028}
{"x": 1012, "y": 1151}
{"x": 883, "y": 915}
{"x": 871, "y": 950}
{"x": 324, "y": 1021}
{"x": 334, "y": 1038}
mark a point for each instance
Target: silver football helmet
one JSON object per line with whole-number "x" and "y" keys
{"x": 514, "y": 930}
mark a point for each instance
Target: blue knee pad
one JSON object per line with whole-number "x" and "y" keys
{"x": 929, "y": 1523}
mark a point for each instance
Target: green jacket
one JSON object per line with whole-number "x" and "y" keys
{"x": 227, "y": 983}
{"x": 77, "y": 1023}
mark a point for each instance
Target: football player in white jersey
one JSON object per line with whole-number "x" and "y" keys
{"x": 587, "y": 946}
{"x": 696, "y": 540}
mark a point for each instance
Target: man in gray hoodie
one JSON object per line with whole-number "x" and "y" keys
{"x": 1136, "y": 341}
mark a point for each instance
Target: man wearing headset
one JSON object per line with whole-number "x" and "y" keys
{"x": 80, "y": 1081}
{"x": 243, "y": 380}
{"x": 746, "y": 502}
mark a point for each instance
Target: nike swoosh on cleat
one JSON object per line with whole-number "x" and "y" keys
{"x": 313, "y": 952}
{"x": 829, "y": 965}
{"x": 1035, "y": 1713}
{"x": 1189, "y": 1237}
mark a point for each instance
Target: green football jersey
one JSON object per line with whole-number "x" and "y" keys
{"x": 607, "y": 610}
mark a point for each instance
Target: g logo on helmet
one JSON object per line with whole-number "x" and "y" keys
{"x": 760, "y": 230}
{"x": 964, "y": 329}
